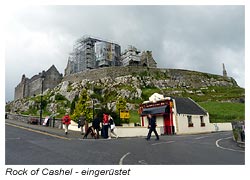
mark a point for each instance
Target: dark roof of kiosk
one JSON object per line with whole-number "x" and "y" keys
{"x": 183, "y": 106}
{"x": 154, "y": 110}
{"x": 188, "y": 106}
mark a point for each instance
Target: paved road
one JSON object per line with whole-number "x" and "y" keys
{"x": 38, "y": 148}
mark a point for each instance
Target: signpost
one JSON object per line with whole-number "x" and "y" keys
{"x": 124, "y": 114}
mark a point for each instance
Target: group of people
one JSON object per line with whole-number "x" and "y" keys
{"x": 106, "y": 126}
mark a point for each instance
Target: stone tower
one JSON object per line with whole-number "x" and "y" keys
{"x": 224, "y": 70}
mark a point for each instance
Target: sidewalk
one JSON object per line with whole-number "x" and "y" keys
{"x": 72, "y": 133}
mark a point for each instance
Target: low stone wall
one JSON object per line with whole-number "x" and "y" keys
{"x": 122, "y": 131}
{"x": 210, "y": 127}
{"x": 134, "y": 131}
{"x": 222, "y": 127}
{"x": 56, "y": 123}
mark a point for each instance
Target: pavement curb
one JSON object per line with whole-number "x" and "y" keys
{"x": 241, "y": 144}
{"x": 55, "y": 131}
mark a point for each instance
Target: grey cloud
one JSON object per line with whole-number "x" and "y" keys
{"x": 188, "y": 37}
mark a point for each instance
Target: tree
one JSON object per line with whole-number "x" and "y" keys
{"x": 83, "y": 106}
{"x": 73, "y": 104}
{"x": 120, "y": 105}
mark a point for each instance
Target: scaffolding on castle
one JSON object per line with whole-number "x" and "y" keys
{"x": 91, "y": 53}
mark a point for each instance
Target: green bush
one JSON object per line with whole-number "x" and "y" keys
{"x": 236, "y": 134}
{"x": 134, "y": 116}
{"x": 59, "y": 97}
{"x": 147, "y": 92}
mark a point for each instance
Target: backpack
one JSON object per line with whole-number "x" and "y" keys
{"x": 66, "y": 119}
{"x": 105, "y": 119}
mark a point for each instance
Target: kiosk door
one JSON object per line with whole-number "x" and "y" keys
{"x": 168, "y": 124}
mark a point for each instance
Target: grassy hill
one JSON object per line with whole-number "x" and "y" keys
{"x": 224, "y": 104}
{"x": 220, "y": 96}
{"x": 224, "y": 111}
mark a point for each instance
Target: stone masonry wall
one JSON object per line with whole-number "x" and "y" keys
{"x": 169, "y": 77}
{"x": 19, "y": 91}
{"x": 26, "y": 119}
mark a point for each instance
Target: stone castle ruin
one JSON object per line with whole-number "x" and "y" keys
{"x": 94, "y": 59}
{"x": 33, "y": 86}
{"x": 88, "y": 54}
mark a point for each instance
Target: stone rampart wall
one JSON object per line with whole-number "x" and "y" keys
{"x": 113, "y": 72}
{"x": 173, "y": 77}
{"x": 57, "y": 123}
{"x": 96, "y": 74}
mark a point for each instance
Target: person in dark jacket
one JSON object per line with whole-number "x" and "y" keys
{"x": 152, "y": 125}
{"x": 81, "y": 122}
{"x": 96, "y": 125}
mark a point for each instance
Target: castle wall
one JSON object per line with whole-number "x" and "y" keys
{"x": 19, "y": 91}
{"x": 168, "y": 77}
{"x": 96, "y": 74}
{"x": 35, "y": 87}
{"x": 22, "y": 89}
{"x": 26, "y": 88}
{"x": 52, "y": 79}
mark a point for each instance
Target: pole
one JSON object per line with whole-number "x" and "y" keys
{"x": 41, "y": 111}
{"x": 54, "y": 121}
{"x": 120, "y": 115}
{"x": 93, "y": 101}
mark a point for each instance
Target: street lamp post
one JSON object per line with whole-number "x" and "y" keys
{"x": 41, "y": 111}
{"x": 93, "y": 107}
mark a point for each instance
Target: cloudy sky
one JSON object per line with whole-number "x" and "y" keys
{"x": 198, "y": 38}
